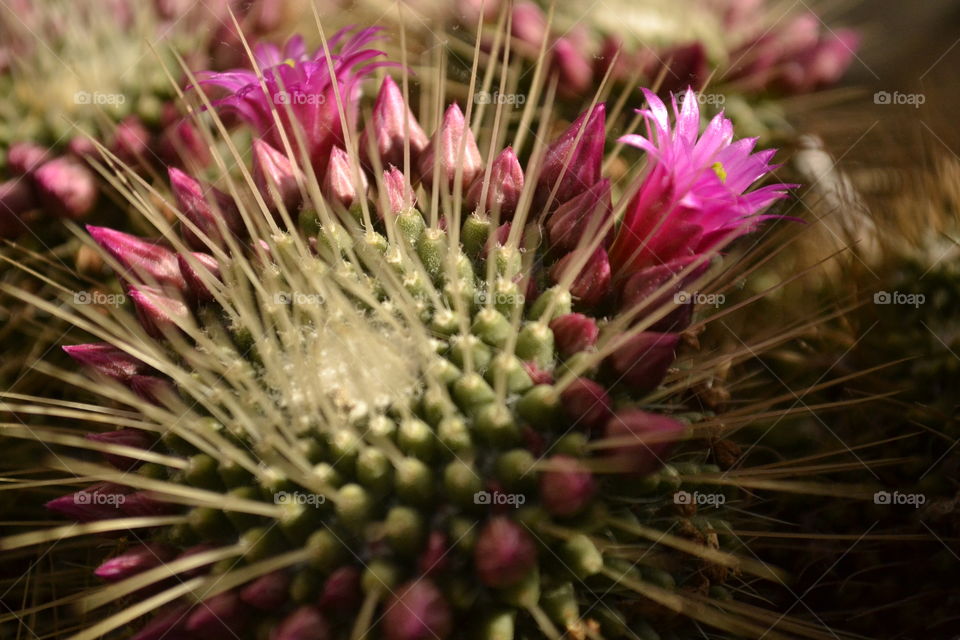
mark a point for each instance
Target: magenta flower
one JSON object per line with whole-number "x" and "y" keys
{"x": 694, "y": 194}
{"x": 301, "y": 83}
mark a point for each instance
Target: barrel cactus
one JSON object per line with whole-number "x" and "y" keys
{"x": 379, "y": 382}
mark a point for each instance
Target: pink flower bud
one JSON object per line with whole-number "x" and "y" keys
{"x": 434, "y": 558}
{"x": 142, "y": 260}
{"x": 192, "y": 276}
{"x": 400, "y": 196}
{"x": 272, "y": 170}
{"x": 417, "y": 611}
{"x": 342, "y": 590}
{"x": 170, "y": 624}
{"x": 16, "y": 198}
{"x": 592, "y": 283}
{"x": 504, "y": 187}
{"x": 637, "y": 295}
{"x": 159, "y": 314}
{"x": 268, "y": 592}
{"x": 568, "y": 225}
{"x": 153, "y": 389}
{"x": 340, "y": 183}
{"x": 686, "y": 66}
{"x": 131, "y": 141}
{"x": 208, "y": 209}
{"x": 504, "y": 553}
{"x": 587, "y": 404}
{"x": 643, "y": 360}
{"x": 641, "y": 440}
{"x": 221, "y": 617}
{"x": 574, "y": 166}
{"x": 181, "y": 143}
{"x": 390, "y": 123}
{"x": 83, "y": 148}
{"x": 24, "y": 157}
{"x": 566, "y": 487}
{"x": 99, "y": 501}
{"x": 66, "y": 187}
{"x": 132, "y": 562}
{"x": 529, "y": 24}
{"x": 127, "y": 438}
{"x": 445, "y": 148}
{"x": 107, "y": 360}
{"x": 143, "y": 503}
{"x": 305, "y": 623}
{"x": 575, "y": 71}
{"x": 537, "y": 375}
{"x": 574, "y": 332}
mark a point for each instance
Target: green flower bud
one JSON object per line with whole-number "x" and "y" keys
{"x": 374, "y": 469}
{"x": 560, "y": 603}
{"x": 403, "y": 529}
{"x": 472, "y": 392}
{"x": 463, "y": 533}
{"x": 344, "y": 447}
{"x": 499, "y": 625}
{"x": 454, "y": 435}
{"x": 353, "y": 505}
{"x": 515, "y": 471}
{"x": 380, "y": 576}
{"x": 382, "y": 427}
{"x": 202, "y": 471}
{"x": 445, "y": 322}
{"x": 510, "y": 368}
{"x": 432, "y": 250}
{"x": 492, "y": 327}
{"x": 461, "y": 482}
{"x": 443, "y": 371}
{"x": 495, "y": 424}
{"x": 415, "y": 438}
{"x": 475, "y": 233}
{"x": 561, "y": 300}
{"x": 260, "y": 543}
{"x": 209, "y": 523}
{"x": 233, "y": 475}
{"x": 300, "y": 520}
{"x": 480, "y": 353}
{"x": 239, "y": 519}
{"x": 410, "y": 224}
{"x": 327, "y": 475}
{"x": 572, "y": 444}
{"x": 581, "y": 556}
{"x": 526, "y": 593}
{"x": 535, "y": 343}
{"x": 325, "y": 550}
{"x": 306, "y": 586}
{"x": 540, "y": 406}
{"x": 658, "y": 577}
{"x": 414, "y": 482}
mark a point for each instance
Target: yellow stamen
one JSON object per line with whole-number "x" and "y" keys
{"x": 720, "y": 171}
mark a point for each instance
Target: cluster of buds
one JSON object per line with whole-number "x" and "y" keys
{"x": 797, "y": 56}
{"x": 536, "y": 325}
